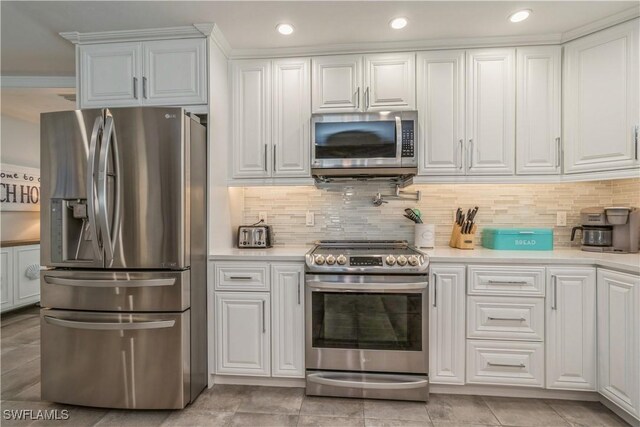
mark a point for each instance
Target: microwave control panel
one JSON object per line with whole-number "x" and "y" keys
{"x": 408, "y": 141}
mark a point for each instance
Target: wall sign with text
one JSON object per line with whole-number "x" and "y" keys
{"x": 19, "y": 188}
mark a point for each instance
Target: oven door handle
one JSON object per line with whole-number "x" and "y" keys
{"x": 370, "y": 286}
{"x": 401, "y": 382}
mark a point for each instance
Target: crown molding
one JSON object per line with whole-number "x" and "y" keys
{"x": 381, "y": 47}
{"x": 186, "y": 32}
{"x": 601, "y": 24}
{"x": 38, "y": 81}
{"x": 220, "y": 40}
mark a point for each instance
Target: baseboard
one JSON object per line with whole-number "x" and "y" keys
{"x": 507, "y": 391}
{"x": 263, "y": 381}
{"x": 635, "y": 422}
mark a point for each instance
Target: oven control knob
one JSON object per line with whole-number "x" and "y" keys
{"x": 402, "y": 260}
{"x": 413, "y": 260}
{"x": 342, "y": 260}
{"x": 331, "y": 259}
{"x": 319, "y": 259}
{"x": 390, "y": 260}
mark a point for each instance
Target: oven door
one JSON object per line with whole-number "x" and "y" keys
{"x": 367, "y": 323}
{"x": 356, "y": 140}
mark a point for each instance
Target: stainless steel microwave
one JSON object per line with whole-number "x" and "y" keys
{"x": 381, "y": 143}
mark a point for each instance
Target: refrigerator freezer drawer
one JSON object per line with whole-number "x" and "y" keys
{"x": 115, "y": 360}
{"x": 115, "y": 290}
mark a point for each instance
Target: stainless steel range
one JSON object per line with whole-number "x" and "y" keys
{"x": 367, "y": 320}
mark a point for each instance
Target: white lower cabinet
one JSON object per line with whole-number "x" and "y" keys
{"x": 19, "y": 276}
{"x": 571, "y": 328}
{"x": 446, "y": 324}
{"x": 619, "y": 339}
{"x": 287, "y": 299}
{"x": 243, "y": 333}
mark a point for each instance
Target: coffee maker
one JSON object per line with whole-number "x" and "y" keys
{"x": 612, "y": 229}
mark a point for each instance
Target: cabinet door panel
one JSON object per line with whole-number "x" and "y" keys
{"x": 440, "y": 82}
{"x": 390, "y": 82}
{"x": 26, "y": 287}
{"x": 619, "y": 339}
{"x": 288, "y": 320}
{"x": 6, "y": 277}
{"x": 491, "y": 111}
{"x": 175, "y": 72}
{"x": 601, "y": 100}
{"x": 571, "y": 328}
{"x": 337, "y": 83}
{"x": 251, "y": 119}
{"x": 291, "y": 117}
{"x": 242, "y": 333}
{"x": 447, "y": 325}
{"x": 110, "y": 75}
{"x": 538, "y": 110}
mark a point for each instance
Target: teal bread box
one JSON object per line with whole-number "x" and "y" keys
{"x": 518, "y": 239}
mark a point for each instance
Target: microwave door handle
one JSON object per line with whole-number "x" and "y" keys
{"x": 399, "y": 139}
{"x": 92, "y": 215}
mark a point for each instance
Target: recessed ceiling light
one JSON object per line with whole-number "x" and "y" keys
{"x": 398, "y": 23}
{"x": 285, "y": 29}
{"x": 520, "y": 15}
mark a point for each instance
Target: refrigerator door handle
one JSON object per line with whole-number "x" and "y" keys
{"x": 109, "y": 326}
{"x": 108, "y": 283}
{"x": 108, "y": 231}
{"x": 93, "y": 216}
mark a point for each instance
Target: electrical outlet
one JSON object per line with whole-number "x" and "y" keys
{"x": 561, "y": 219}
{"x": 310, "y": 219}
{"x": 262, "y": 216}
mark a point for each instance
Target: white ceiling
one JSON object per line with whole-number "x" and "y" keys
{"x": 27, "y": 103}
{"x": 31, "y": 44}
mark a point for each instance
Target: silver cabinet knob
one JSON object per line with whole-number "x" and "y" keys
{"x": 413, "y": 260}
{"x": 319, "y": 259}
{"x": 331, "y": 259}
{"x": 402, "y": 260}
{"x": 342, "y": 260}
{"x": 390, "y": 260}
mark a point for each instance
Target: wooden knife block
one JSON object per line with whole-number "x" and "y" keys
{"x": 462, "y": 241}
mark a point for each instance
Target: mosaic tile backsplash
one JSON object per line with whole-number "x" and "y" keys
{"x": 347, "y": 212}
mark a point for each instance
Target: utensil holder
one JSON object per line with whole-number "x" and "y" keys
{"x": 463, "y": 241}
{"x": 424, "y": 235}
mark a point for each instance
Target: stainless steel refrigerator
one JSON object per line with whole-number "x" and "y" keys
{"x": 123, "y": 233}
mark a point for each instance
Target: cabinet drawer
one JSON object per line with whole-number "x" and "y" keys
{"x": 505, "y": 318}
{"x": 505, "y": 363}
{"x": 241, "y": 276}
{"x": 506, "y": 280}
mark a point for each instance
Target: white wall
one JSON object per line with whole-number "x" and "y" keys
{"x": 19, "y": 145}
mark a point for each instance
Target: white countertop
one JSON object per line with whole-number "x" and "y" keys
{"x": 624, "y": 262}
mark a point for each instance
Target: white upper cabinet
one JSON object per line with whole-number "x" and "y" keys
{"x": 175, "y": 72}
{"x": 110, "y": 75}
{"x": 441, "y": 124}
{"x": 288, "y": 320}
{"x": 163, "y": 72}
{"x": 336, "y": 83}
{"x": 356, "y": 83}
{"x": 491, "y": 111}
{"x": 601, "y": 111}
{"x": 291, "y": 117}
{"x": 538, "y": 110}
{"x": 389, "y": 82}
{"x": 447, "y": 324}
{"x": 571, "y": 328}
{"x": 251, "y": 113}
{"x": 619, "y": 339}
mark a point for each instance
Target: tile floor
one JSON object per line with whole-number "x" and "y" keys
{"x": 274, "y": 406}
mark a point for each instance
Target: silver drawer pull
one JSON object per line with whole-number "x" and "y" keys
{"x": 507, "y": 282}
{"x": 88, "y": 282}
{"x": 109, "y": 326}
{"x": 367, "y": 381}
{"x": 507, "y": 365}
{"x": 240, "y": 277}
{"x": 522, "y": 319}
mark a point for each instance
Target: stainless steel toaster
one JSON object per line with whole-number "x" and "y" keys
{"x": 254, "y": 236}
